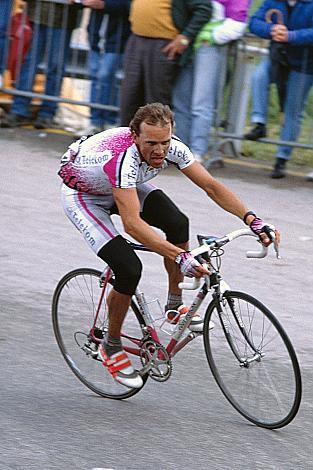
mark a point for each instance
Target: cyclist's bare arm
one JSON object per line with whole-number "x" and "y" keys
{"x": 220, "y": 194}
{"x": 129, "y": 209}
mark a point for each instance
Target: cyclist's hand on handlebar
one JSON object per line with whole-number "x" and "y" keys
{"x": 266, "y": 232}
{"x": 189, "y": 266}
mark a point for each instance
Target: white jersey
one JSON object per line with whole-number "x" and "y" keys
{"x": 111, "y": 159}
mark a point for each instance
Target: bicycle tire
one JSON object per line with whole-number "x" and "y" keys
{"x": 266, "y": 391}
{"x": 74, "y": 305}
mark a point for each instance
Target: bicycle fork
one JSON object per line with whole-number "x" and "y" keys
{"x": 226, "y": 326}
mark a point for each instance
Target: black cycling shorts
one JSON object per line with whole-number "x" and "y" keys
{"x": 158, "y": 211}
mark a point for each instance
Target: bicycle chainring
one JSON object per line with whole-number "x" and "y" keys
{"x": 156, "y": 359}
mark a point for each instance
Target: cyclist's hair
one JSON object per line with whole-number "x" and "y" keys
{"x": 156, "y": 114}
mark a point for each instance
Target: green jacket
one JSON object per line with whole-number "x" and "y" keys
{"x": 189, "y": 16}
{"x": 56, "y": 15}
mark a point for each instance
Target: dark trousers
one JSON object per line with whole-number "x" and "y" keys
{"x": 149, "y": 75}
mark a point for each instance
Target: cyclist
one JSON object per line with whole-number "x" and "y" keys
{"x": 108, "y": 173}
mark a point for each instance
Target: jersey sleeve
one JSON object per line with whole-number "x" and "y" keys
{"x": 179, "y": 154}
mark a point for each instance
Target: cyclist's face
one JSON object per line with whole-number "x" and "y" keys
{"x": 153, "y": 143}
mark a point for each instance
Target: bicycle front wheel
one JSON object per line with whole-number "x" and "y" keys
{"x": 74, "y": 307}
{"x": 252, "y": 360}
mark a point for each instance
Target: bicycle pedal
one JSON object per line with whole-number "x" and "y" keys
{"x": 98, "y": 333}
{"x": 89, "y": 350}
{"x": 173, "y": 315}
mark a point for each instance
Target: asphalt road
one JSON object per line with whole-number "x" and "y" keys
{"x": 49, "y": 420}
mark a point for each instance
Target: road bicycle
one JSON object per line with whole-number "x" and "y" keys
{"x": 248, "y": 351}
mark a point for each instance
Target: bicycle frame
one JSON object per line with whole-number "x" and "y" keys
{"x": 213, "y": 280}
{"x": 174, "y": 344}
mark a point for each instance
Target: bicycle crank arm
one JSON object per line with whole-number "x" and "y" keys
{"x": 145, "y": 369}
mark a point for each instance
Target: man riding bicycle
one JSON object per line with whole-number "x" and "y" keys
{"x": 107, "y": 174}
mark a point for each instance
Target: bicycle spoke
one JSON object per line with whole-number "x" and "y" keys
{"x": 75, "y": 306}
{"x": 265, "y": 385}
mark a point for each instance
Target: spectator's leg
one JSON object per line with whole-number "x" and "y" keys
{"x": 160, "y": 72}
{"x": 260, "y": 92}
{"x": 208, "y": 65}
{"x": 298, "y": 87}
{"x": 58, "y": 41}
{"x": 5, "y": 10}
{"x": 96, "y": 115}
{"x": 182, "y": 95}
{"x": 26, "y": 78}
{"x": 110, "y": 62}
{"x": 132, "y": 88}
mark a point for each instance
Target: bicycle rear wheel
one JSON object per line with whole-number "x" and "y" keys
{"x": 74, "y": 307}
{"x": 252, "y": 360}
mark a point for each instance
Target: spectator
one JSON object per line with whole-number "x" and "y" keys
{"x": 296, "y": 33}
{"x": 5, "y": 12}
{"x": 162, "y": 33}
{"x": 52, "y": 26}
{"x": 108, "y": 31}
{"x": 195, "y": 94}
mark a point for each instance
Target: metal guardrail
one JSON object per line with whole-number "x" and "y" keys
{"x": 286, "y": 143}
{"x": 242, "y": 56}
{"x": 58, "y": 99}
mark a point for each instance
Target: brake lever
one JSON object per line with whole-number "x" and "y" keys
{"x": 276, "y": 245}
{"x": 276, "y": 248}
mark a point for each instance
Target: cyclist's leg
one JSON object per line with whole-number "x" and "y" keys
{"x": 159, "y": 211}
{"x": 125, "y": 264}
{"x": 91, "y": 216}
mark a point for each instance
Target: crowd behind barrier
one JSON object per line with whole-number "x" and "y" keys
{"x": 62, "y": 63}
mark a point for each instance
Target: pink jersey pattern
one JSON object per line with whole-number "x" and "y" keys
{"x": 110, "y": 159}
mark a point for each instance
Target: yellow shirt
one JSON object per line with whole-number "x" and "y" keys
{"x": 152, "y": 19}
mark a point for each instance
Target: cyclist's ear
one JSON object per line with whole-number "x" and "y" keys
{"x": 134, "y": 135}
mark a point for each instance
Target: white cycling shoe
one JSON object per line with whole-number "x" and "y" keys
{"x": 120, "y": 367}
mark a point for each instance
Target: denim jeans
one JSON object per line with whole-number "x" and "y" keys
{"x": 195, "y": 97}
{"x": 5, "y": 11}
{"x": 298, "y": 87}
{"x": 104, "y": 86}
{"x": 55, "y": 43}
